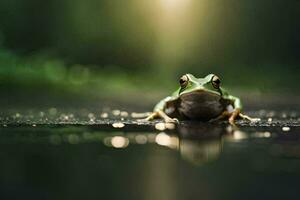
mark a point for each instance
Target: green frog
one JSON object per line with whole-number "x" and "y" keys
{"x": 200, "y": 99}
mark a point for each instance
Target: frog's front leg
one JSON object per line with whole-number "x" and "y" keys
{"x": 159, "y": 112}
{"x": 237, "y": 111}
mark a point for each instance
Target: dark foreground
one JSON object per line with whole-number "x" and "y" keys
{"x": 52, "y": 155}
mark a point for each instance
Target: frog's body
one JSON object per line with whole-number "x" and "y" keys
{"x": 198, "y": 105}
{"x": 199, "y": 99}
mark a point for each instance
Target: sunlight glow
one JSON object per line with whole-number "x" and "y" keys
{"x": 175, "y": 32}
{"x": 173, "y": 4}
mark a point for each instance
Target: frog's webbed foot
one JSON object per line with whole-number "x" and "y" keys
{"x": 162, "y": 115}
{"x": 249, "y": 118}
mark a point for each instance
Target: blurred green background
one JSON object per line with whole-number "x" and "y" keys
{"x": 128, "y": 49}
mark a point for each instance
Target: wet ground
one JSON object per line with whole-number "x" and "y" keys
{"x": 66, "y": 154}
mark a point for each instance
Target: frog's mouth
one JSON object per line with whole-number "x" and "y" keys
{"x": 201, "y": 94}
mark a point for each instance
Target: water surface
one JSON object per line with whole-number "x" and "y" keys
{"x": 53, "y": 155}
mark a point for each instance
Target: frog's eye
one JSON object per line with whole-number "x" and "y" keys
{"x": 183, "y": 81}
{"x": 215, "y": 81}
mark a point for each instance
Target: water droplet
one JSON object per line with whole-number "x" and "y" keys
{"x": 42, "y": 114}
{"x": 239, "y": 135}
{"x": 160, "y": 126}
{"x": 267, "y": 134}
{"x": 285, "y": 128}
{"x": 104, "y": 115}
{"x": 124, "y": 114}
{"x": 284, "y": 115}
{"x": 163, "y": 139}
{"x": 91, "y": 115}
{"x": 170, "y": 125}
{"x": 118, "y": 125}
{"x": 116, "y": 112}
{"x": 141, "y": 139}
{"x": 271, "y": 114}
{"x": 119, "y": 142}
{"x": 52, "y": 111}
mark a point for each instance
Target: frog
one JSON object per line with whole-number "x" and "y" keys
{"x": 199, "y": 99}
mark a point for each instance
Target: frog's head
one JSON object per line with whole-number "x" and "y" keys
{"x": 210, "y": 84}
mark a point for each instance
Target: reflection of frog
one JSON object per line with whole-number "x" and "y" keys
{"x": 199, "y": 99}
{"x": 200, "y": 144}
{"x": 200, "y": 152}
